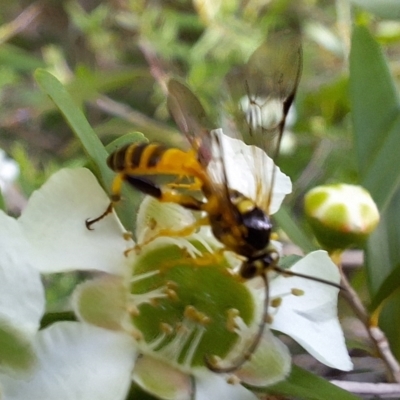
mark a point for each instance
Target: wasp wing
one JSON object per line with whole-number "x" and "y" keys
{"x": 260, "y": 95}
{"x": 191, "y": 118}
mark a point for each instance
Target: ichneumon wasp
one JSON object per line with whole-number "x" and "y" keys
{"x": 260, "y": 94}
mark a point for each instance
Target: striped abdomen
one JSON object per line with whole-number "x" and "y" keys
{"x": 154, "y": 159}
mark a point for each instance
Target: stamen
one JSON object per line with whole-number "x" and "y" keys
{"x": 166, "y": 330}
{"x": 276, "y": 302}
{"x": 240, "y": 326}
{"x": 199, "y": 237}
{"x": 140, "y": 277}
{"x": 297, "y": 292}
{"x": 156, "y": 343}
{"x": 173, "y": 350}
{"x": 133, "y": 310}
{"x": 233, "y": 380}
{"x": 231, "y": 323}
{"x": 148, "y": 297}
{"x": 183, "y": 244}
{"x": 193, "y": 314}
{"x": 198, "y": 335}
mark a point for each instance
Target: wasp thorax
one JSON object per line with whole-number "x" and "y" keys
{"x": 245, "y": 229}
{"x": 258, "y": 226}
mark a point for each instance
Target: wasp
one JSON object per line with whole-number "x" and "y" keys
{"x": 268, "y": 80}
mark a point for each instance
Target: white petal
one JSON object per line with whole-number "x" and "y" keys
{"x": 76, "y": 362}
{"x": 249, "y": 171}
{"x": 155, "y": 217}
{"x": 54, "y": 222}
{"x": 103, "y": 302}
{"x": 269, "y": 364}
{"x": 212, "y": 386}
{"x": 311, "y": 319}
{"x": 162, "y": 379}
{"x": 21, "y": 291}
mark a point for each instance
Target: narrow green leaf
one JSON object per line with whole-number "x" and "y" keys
{"x": 382, "y": 178}
{"x": 382, "y": 265}
{"x": 374, "y": 101}
{"x": 376, "y": 118}
{"x": 18, "y": 59}
{"x": 389, "y": 286}
{"x": 382, "y": 249}
{"x": 77, "y": 121}
{"x": 90, "y": 142}
{"x": 389, "y": 322}
{"x": 293, "y": 230}
{"x": 302, "y": 384}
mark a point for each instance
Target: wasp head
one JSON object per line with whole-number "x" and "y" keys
{"x": 259, "y": 265}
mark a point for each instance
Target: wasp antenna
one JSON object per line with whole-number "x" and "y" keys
{"x": 311, "y": 278}
{"x": 254, "y": 344}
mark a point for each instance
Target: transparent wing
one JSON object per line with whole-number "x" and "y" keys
{"x": 260, "y": 94}
{"x": 191, "y": 119}
{"x": 262, "y": 91}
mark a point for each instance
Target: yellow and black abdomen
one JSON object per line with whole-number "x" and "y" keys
{"x": 154, "y": 159}
{"x": 134, "y": 162}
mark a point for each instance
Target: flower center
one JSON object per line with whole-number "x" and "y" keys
{"x": 184, "y": 305}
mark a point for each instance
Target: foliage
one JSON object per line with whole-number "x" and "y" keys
{"x": 73, "y": 80}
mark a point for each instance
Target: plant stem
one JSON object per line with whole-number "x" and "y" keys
{"x": 374, "y": 332}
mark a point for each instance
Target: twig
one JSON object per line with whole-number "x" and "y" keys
{"x": 23, "y": 20}
{"x": 376, "y": 335}
{"x": 155, "y": 64}
{"x": 383, "y": 390}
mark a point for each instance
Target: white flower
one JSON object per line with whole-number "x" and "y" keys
{"x": 172, "y": 299}
{"x": 68, "y": 360}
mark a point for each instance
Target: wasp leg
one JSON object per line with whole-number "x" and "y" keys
{"x": 115, "y": 198}
{"x": 186, "y": 231}
{"x": 196, "y": 185}
{"x": 166, "y": 196}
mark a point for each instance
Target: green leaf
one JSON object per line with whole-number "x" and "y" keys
{"x": 389, "y": 322}
{"x": 376, "y": 121}
{"x": 18, "y": 59}
{"x": 89, "y": 140}
{"x": 77, "y": 121}
{"x": 382, "y": 178}
{"x": 382, "y": 265}
{"x": 389, "y": 286}
{"x": 302, "y": 384}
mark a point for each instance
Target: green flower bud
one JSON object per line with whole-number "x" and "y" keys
{"x": 341, "y": 215}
